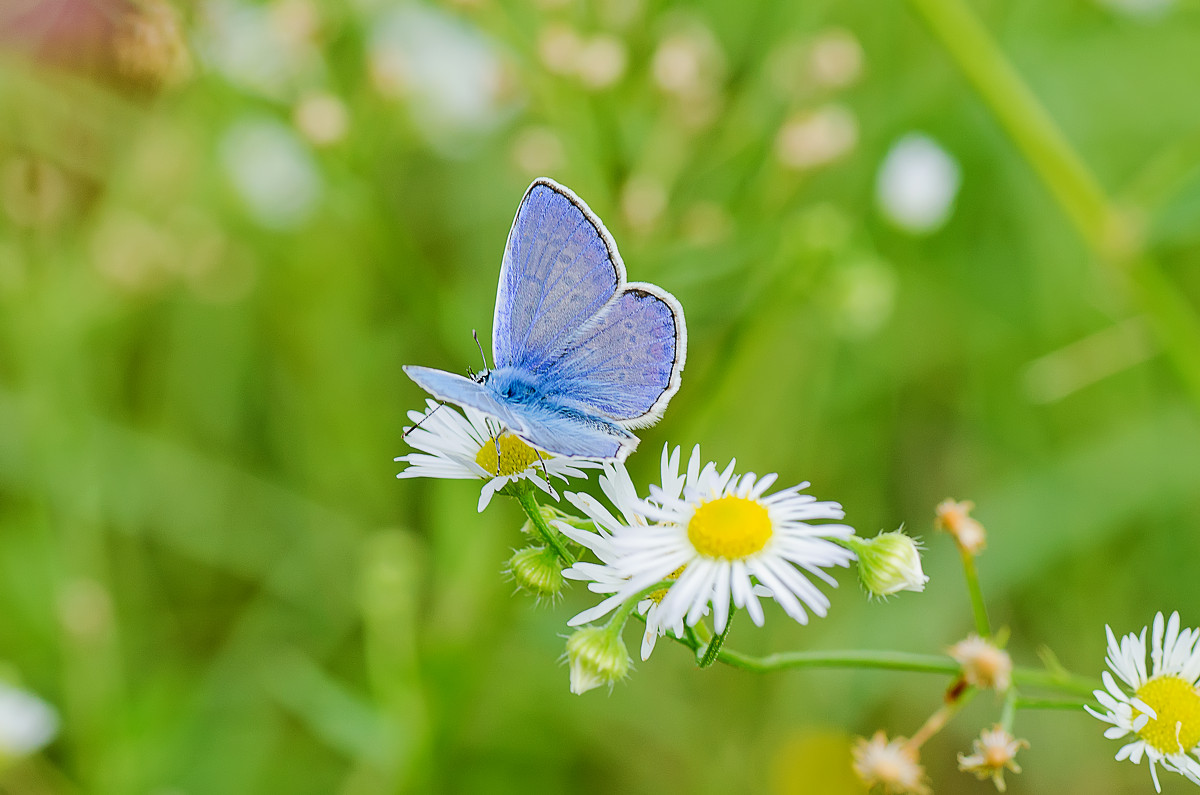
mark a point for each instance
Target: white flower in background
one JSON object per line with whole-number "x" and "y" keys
{"x": 272, "y": 171}
{"x": 538, "y": 150}
{"x": 814, "y": 138}
{"x": 689, "y": 62}
{"x": 1163, "y": 710}
{"x": 601, "y": 61}
{"x": 450, "y": 74}
{"x": 917, "y": 184}
{"x": 715, "y": 536}
{"x": 835, "y": 59}
{"x": 267, "y": 49}
{"x": 26, "y": 722}
{"x": 321, "y": 117}
{"x": 643, "y": 200}
{"x": 473, "y": 447}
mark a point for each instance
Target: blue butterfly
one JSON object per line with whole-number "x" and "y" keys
{"x": 581, "y": 355}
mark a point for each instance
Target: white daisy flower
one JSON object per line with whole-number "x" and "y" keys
{"x": 716, "y": 536}
{"x": 1163, "y": 711}
{"x": 605, "y": 577}
{"x": 476, "y": 447}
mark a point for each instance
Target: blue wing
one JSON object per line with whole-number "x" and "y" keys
{"x": 560, "y": 268}
{"x": 465, "y": 392}
{"x": 601, "y": 355}
{"x": 626, "y": 364}
{"x": 562, "y": 431}
{"x": 554, "y": 429}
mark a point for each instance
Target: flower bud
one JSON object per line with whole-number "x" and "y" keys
{"x": 954, "y": 517}
{"x": 995, "y": 752}
{"x": 597, "y": 656}
{"x": 889, "y": 563}
{"x": 892, "y": 766}
{"x": 537, "y": 570}
{"x": 984, "y": 664}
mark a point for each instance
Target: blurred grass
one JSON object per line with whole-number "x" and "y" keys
{"x": 207, "y": 565}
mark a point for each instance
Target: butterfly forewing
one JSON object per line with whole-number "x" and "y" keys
{"x": 560, "y": 268}
{"x": 465, "y": 392}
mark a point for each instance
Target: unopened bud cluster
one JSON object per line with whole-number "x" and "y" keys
{"x": 889, "y": 563}
{"x": 596, "y": 656}
{"x": 537, "y": 570}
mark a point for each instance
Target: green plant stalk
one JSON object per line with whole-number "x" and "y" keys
{"x": 713, "y": 650}
{"x": 978, "y": 606}
{"x": 1104, "y": 229}
{"x": 1009, "y": 713}
{"x": 938, "y": 720}
{"x": 551, "y": 536}
{"x": 890, "y": 660}
{"x": 1048, "y": 703}
{"x": 1020, "y": 113}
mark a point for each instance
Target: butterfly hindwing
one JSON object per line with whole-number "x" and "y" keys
{"x": 562, "y": 431}
{"x": 624, "y": 365}
{"x": 560, "y": 268}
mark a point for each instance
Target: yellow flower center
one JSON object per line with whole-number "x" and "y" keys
{"x": 1177, "y": 727}
{"x": 661, "y": 593}
{"x": 729, "y": 528}
{"x": 505, "y": 455}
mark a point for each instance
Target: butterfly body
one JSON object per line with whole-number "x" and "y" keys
{"x": 581, "y": 355}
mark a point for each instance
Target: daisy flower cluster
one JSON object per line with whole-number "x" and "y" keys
{"x": 704, "y": 541}
{"x": 707, "y": 541}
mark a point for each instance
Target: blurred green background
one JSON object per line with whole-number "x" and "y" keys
{"x": 224, "y": 226}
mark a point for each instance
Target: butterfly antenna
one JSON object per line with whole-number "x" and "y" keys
{"x": 479, "y": 345}
{"x": 412, "y": 428}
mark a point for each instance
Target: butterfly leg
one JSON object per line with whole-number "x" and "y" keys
{"x": 546, "y": 474}
{"x": 412, "y": 428}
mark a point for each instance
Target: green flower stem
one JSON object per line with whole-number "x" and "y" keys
{"x": 1009, "y": 713}
{"x": 1049, "y": 703}
{"x": 978, "y": 607}
{"x": 622, "y": 613}
{"x": 886, "y": 660}
{"x": 891, "y": 660}
{"x": 551, "y": 536}
{"x": 713, "y": 650}
{"x": 1061, "y": 681}
{"x": 938, "y": 720}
